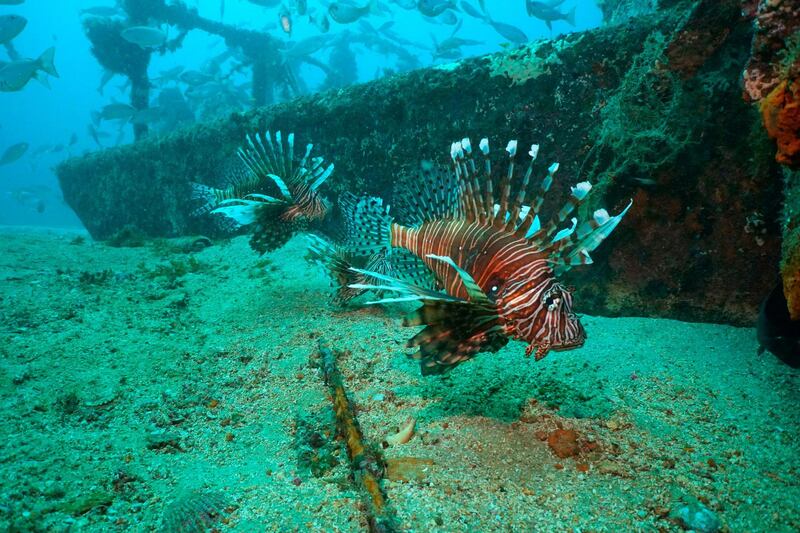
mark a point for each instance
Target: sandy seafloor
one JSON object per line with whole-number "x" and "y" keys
{"x": 126, "y": 391}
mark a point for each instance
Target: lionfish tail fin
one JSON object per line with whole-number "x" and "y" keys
{"x": 337, "y": 264}
{"x": 206, "y": 197}
{"x": 402, "y": 291}
{"x": 368, "y": 226}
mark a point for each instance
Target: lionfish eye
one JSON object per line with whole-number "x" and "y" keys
{"x": 551, "y": 301}
{"x": 495, "y": 286}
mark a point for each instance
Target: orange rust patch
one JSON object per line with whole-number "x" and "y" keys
{"x": 780, "y": 111}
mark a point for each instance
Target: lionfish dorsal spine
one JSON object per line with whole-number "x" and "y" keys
{"x": 505, "y": 187}
{"x": 277, "y": 149}
{"x": 288, "y": 157}
{"x": 577, "y": 195}
{"x": 519, "y": 201}
{"x": 285, "y": 192}
{"x": 458, "y": 153}
{"x": 478, "y": 190}
{"x": 530, "y": 224}
{"x": 304, "y": 161}
{"x": 321, "y": 177}
{"x": 257, "y": 159}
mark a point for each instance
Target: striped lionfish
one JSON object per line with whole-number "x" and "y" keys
{"x": 269, "y": 165}
{"x": 495, "y": 262}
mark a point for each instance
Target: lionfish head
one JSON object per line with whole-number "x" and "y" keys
{"x": 538, "y": 312}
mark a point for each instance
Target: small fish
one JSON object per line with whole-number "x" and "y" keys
{"x": 512, "y": 33}
{"x": 320, "y": 20}
{"x": 494, "y": 260}
{"x": 13, "y": 153}
{"x": 448, "y": 18}
{"x": 221, "y": 10}
{"x": 117, "y": 111}
{"x": 456, "y": 42}
{"x": 11, "y": 2}
{"x": 16, "y": 74}
{"x": 150, "y": 115}
{"x": 104, "y": 79}
{"x": 265, "y": 3}
{"x": 94, "y": 134}
{"x": 29, "y": 198}
{"x": 347, "y": 13}
{"x": 73, "y": 140}
{"x": 434, "y": 8}
{"x": 144, "y": 36}
{"x": 470, "y": 10}
{"x": 194, "y": 77}
{"x": 301, "y": 7}
{"x": 10, "y": 27}
{"x": 308, "y": 46}
{"x": 548, "y": 13}
{"x": 408, "y": 5}
{"x": 285, "y": 19}
{"x": 101, "y": 11}
{"x": 776, "y": 331}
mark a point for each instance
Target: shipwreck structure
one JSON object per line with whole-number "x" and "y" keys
{"x": 649, "y": 109}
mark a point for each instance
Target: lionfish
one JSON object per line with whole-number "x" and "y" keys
{"x": 494, "y": 261}
{"x": 268, "y": 166}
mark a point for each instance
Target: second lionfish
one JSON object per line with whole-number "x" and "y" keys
{"x": 250, "y": 199}
{"x": 494, "y": 262}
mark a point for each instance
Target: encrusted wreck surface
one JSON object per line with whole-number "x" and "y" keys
{"x": 650, "y": 110}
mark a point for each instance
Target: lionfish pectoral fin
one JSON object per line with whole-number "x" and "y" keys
{"x": 454, "y": 332}
{"x": 405, "y": 291}
{"x": 474, "y": 291}
{"x": 271, "y": 228}
{"x": 239, "y": 210}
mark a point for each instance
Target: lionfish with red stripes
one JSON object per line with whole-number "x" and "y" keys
{"x": 268, "y": 166}
{"x": 494, "y": 262}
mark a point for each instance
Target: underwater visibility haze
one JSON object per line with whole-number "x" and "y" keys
{"x": 400, "y": 265}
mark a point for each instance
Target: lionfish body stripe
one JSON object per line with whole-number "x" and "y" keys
{"x": 480, "y": 250}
